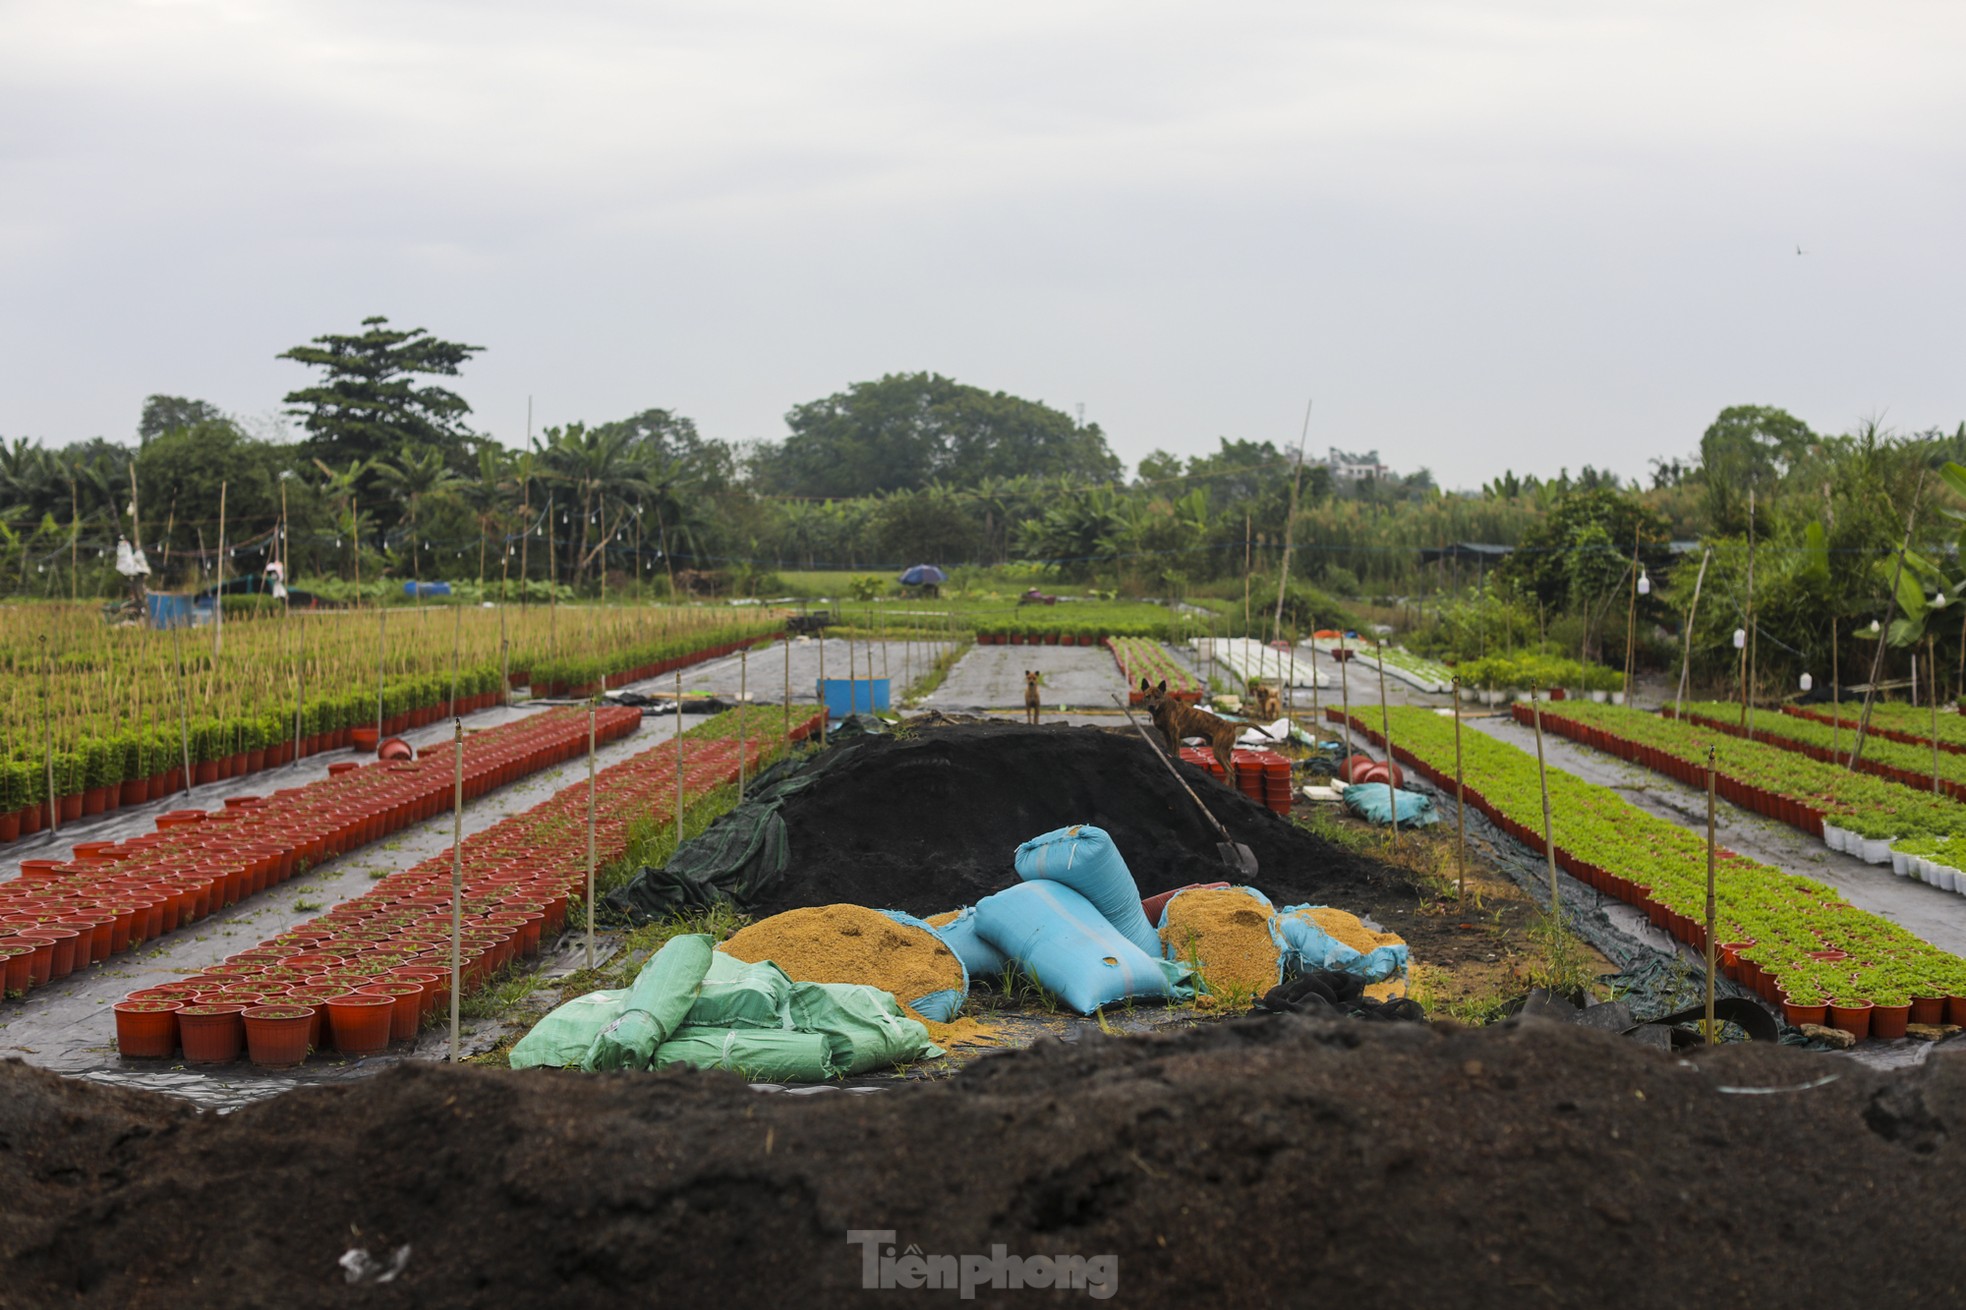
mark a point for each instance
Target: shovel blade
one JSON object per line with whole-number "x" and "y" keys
{"x": 1238, "y": 857}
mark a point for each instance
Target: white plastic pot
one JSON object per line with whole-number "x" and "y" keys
{"x": 1877, "y": 850}
{"x": 1617, "y": 698}
{"x": 1833, "y": 836}
{"x": 1901, "y": 864}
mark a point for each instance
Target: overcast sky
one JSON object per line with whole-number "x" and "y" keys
{"x": 1523, "y": 235}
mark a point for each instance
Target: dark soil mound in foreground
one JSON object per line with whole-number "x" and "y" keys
{"x": 1260, "y": 1162}
{"x": 928, "y": 821}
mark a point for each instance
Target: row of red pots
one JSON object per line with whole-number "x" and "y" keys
{"x": 73, "y": 808}
{"x": 1035, "y": 639}
{"x": 1775, "y": 805}
{"x": 643, "y": 672}
{"x": 519, "y": 877}
{"x": 1857, "y": 1016}
{"x": 124, "y": 893}
{"x": 1922, "y": 781}
{"x": 1890, "y": 734}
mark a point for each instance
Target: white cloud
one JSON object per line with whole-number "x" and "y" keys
{"x": 1515, "y": 235}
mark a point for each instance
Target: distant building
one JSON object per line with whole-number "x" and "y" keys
{"x": 1347, "y": 467}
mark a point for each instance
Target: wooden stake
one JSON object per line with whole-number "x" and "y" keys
{"x": 1835, "y": 700}
{"x": 1631, "y": 622}
{"x": 1543, "y": 781}
{"x": 788, "y": 684}
{"x": 1712, "y": 1036}
{"x": 457, "y": 884}
{"x": 1460, "y": 804}
{"x": 743, "y": 693}
{"x": 824, "y": 712}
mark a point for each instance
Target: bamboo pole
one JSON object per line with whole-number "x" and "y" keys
{"x": 1543, "y": 782}
{"x": 218, "y": 601}
{"x": 1631, "y": 621}
{"x": 381, "y": 655}
{"x": 824, "y": 712}
{"x": 1345, "y": 691}
{"x": 1460, "y": 804}
{"x": 1835, "y": 699}
{"x": 1748, "y": 650}
{"x": 1386, "y": 730}
{"x": 48, "y": 730}
{"x": 1686, "y": 662}
{"x": 591, "y": 774}
{"x": 788, "y": 684}
{"x": 183, "y": 704}
{"x": 1712, "y": 1035}
{"x": 457, "y": 883}
{"x": 679, "y": 757}
{"x": 743, "y": 694}
{"x": 457, "y": 651}
{"x": 1932, "y": 662}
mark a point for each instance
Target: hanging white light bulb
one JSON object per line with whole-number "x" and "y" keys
{"x": 1938, "y": 600}
{"x": 1808, "y": 683}
{"x": 1740, "y": 638}
{"x": 1874, "y": 627}
{"x": 1644, "y": 583}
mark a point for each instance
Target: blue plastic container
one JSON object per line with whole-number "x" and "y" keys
{"x": 842, "y": 696}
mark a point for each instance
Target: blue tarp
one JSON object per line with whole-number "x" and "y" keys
{"x": 1369, "y": 801}
{"x": 842, "y": 696}
{"x": 171, "y": 611}
{"x": 416, "y": 589}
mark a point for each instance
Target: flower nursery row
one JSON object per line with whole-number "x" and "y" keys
{"x": 99, "y": 771}
{"x": 1143, "y": 659}
{"x": 1401, "y": 664}
{"x": 61, "y": 915}
{"x": 1253, "y": 661}
{"x": 1821, "y": 799}
{"x": 1901, "y": 763}
{"x": 371, "y": 970}
{"x": 1890, "y": 720}
{"x": 1497, "y": 677}
{"x": 588, "y": 674}
{"x": 1791, "y": 939}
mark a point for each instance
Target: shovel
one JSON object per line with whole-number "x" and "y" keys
{"x": 1232, "y": 852}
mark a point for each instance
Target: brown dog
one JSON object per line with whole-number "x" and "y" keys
{"x": 1178, "y": 721}
{"x": 1030, "y": 696}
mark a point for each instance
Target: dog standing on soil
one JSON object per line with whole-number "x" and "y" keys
{"x": 1178, "y": 721}
{"x": 1030, "y": 696}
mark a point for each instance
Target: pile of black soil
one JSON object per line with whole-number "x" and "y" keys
{"x": 1258, "y": 1162}
{"x": 928, "y": 820}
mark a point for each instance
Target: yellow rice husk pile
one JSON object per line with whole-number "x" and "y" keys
{"x": 942, "y": 920}
{"x": 1228, "y": 932}
{"x": 962, "y": 1031}
{"x": 851, "y": 944}
{"x": 1348, "y": 929}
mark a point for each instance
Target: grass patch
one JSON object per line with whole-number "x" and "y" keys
{"x": 937, "y": 673}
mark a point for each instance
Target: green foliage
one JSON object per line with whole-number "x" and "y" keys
{"x": 908, "y": 430}
{"x": 369, "y": 404}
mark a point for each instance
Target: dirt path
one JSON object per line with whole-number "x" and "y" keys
{"x": 764, "y": 672}
{"x": 992, "y": 678}
{"x": 1915, "y": 906}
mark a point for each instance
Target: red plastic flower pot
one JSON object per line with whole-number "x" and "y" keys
{"x": 1852, "y": 1018}
{"x": 18, "y": 961}
{"x": 147, "y": 1029}
{"x": 360, "y": 1022}
{"x": 363, "y": 738}
{"x": 1888, "y": 1021}
{"x": 277, "y": 1036}
{"x": 406, "y": 994}
{"x": 1928, "y": 1009}
{"x": 211, "y": 1033}
{"x": 1797, "y": 1015}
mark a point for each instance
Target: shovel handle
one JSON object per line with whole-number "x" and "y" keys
{"x": 1206, "y": 813}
